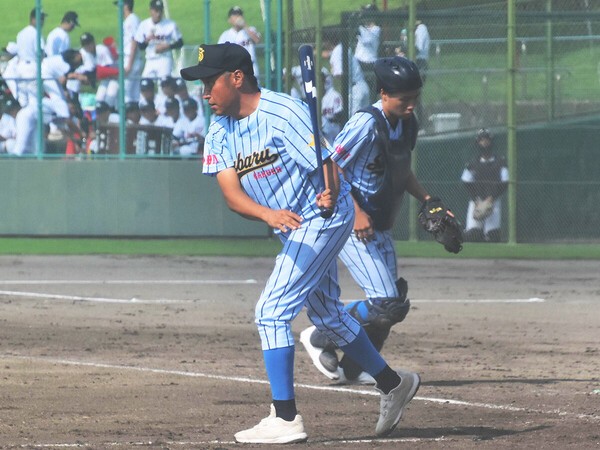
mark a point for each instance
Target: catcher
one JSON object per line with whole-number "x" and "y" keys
{"x": 374, "y": 152}
{"x": 486, "y": 179}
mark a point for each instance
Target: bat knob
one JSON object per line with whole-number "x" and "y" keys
{"x": 326, "y": 213}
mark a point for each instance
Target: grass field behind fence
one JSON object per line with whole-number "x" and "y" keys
{"x": 270, "y": 247}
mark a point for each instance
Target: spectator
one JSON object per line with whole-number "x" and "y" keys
{"x": 147, "y": 93}
{"x": 157, "y": 37}
{"x": 332, "y": 108}
{"x": 172, "y": 109}
{"x": 166, "y": 92}
{"x": 358, "y": 87}
{"x": 422, "y": 43}
{"x": 27, "y": 119}
{"x": 367, "y": 46}
{"x": 25, "y": 63}
{"x": 132, "y": 113}
{"x": 133, "y": 62}
{"x": 188, "y": 134}
{"x": 58, "y": 39}
{"x": 151, "y": 116}
{"x": 8, "y": 125}
{"x": 242, "y": 34}
{"x": 486, "y": 179}
{"x": 182, "y": 94}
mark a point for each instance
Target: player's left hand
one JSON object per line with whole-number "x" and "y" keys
{"x": 363, "y": 227}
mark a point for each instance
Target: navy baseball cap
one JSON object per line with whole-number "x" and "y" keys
{"x": 219, "y": 58}
{"x": 157, "y": 4}
{"x": 86, "y": 38}
{"x": 180, "y": 83}
{"x": 71, "y": 17}
{"x": 102, "y": 107}
{"x": 172, "y": 103}
{"x": 147, "y": 84}
{"x": 167, "y": 81}
{"x": 131, "y": 107}
{"x": 235, "y": 11}
{"x": 125, "y": 2}
{"x": 32, "y": 14}
{"x": 189, "y": 103}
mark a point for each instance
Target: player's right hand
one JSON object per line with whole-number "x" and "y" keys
{"x": 283, "y": 220}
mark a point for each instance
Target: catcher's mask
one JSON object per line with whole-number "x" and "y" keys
{"x": 397, "y": 74}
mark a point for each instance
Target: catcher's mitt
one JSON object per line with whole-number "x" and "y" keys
{"x": 438, "y": 220}
{"x": 483, "y": 208}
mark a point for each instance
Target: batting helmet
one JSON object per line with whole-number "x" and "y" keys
{"x": 397, "y": 74}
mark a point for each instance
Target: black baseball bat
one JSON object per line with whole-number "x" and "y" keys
{"x": 307, "y": 68}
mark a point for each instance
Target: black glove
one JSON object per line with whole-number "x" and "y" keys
{"x": 438, "y": 220}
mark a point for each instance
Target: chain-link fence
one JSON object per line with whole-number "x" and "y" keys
{"x": 527, "y": 70}
{"x": 549, "y": 79}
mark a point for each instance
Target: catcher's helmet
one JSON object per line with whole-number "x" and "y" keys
{"x": 397, "y": 74}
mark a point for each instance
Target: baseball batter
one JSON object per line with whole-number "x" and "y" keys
{"x": 261, "y": 150}
{"x": 158, "y": 36}
{"x": 374, "y": 152}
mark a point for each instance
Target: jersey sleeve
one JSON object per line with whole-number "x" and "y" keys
{"x": 357, "y": 134}
{"x": 216, "y": 151}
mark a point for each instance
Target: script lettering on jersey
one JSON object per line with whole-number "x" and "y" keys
{"x": 254, "y": 161}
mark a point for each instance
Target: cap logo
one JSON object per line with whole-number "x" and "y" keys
{"x": 200, "y": 54}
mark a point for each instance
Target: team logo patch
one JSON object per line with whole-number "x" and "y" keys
{"x": 200, "y": 54}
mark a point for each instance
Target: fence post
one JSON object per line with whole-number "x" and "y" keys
{"x": 412, "y": 202}
{"x": 511, "y": 135}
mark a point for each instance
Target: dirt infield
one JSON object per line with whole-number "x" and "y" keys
{"x": 125, "y": 352}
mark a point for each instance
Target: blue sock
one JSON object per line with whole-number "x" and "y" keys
{"x": 279, "y": 363}
{"x": 362, "y": 352}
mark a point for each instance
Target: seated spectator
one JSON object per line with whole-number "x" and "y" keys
{"x": 172, "y": 109}
{"x": 167, "y": 91}
{"x": 132, "y": 113}
{"x": 147, "y": 93}
{"x": 151, "y": 116}
{"x": 8, "y": 125}
{"x": 188, "y": 134}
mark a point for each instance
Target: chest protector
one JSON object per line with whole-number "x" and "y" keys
{"x": 383, "y": 205}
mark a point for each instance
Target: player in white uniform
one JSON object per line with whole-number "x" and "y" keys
{"x": 132, "y": 57}
{"x": 98, "y": 61}
{"x": 26, "y": 67}
{"x": 261, "y": 150}
{"x": 151, "y": 116}
{"x": 332, "y": 108}
{"x": 188, "y": 134}
{"x": 26, "y": 120}
{"x": 58, "y": 39}
{"x": 8, "y": 125}
{"x": 182, "y": 94}
{"x": 242, "y": 34}
{"x": 158, "y": 36}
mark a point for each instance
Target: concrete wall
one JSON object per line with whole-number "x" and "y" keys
{"x": 115, "y": 198}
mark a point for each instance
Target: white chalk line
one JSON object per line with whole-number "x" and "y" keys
{"x": 65, "y": 282}
{"x": 80, "y": 298}
{"x": 358, "y": 391}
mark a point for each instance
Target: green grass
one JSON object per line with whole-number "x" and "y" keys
{"x": 270, "y": 248}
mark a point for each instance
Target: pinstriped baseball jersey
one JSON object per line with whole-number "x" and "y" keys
{"x": 274, "y": 156}
{"x": 373, "y": 265}
{"x": 272, "y": 152}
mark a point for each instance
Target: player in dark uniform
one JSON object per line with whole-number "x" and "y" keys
{"x": 486, "y": 179}
{"x": 374, "y": 152}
